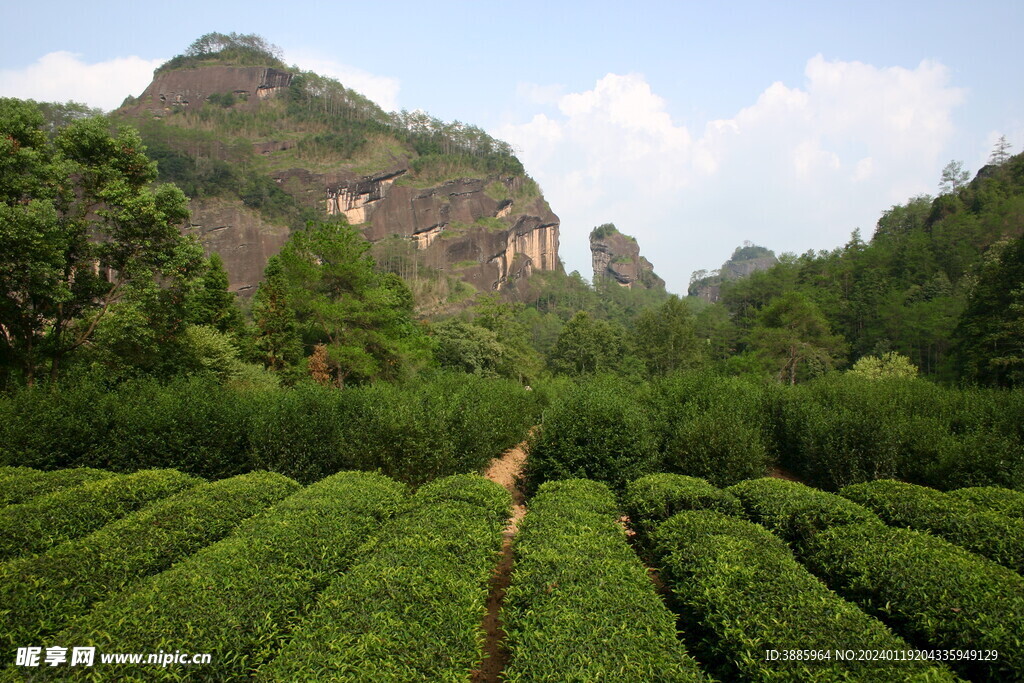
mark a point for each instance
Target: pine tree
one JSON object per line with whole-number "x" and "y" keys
{"x": 277, "y": 336}
{"x": 1000, "y": 152}
{"x": 213, "y": 304}
{"x": 953, "y": 177}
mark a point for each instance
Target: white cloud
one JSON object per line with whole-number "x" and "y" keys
{"x": 863, "y": 170}
{"x": 63, "y": 76}
{"x": 798, "y": 169}
{"x": 381, "y": 89}
{"x": 539, "y": 94}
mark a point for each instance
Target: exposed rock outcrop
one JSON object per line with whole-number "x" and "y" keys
{"x": 616, "y": 257}
{"x": 745, "y": 261}
{"x": 242, "y": 237}
{"x": 191, "y": 88}
{"x": 488, "y": 231}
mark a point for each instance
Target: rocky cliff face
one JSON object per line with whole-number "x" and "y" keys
{"x": 745, "y": 261}
{"x": 488, "y": 231}
{"x": 476, "y": 224}
{"x": 616, "y": 257}
{"x": 242, "y": 237}
{"x": 190, "y": 88}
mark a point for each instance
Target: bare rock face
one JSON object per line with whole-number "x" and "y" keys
{"x": 455, "y": 227}
{"x": 616, "y": 257}
{"x": 492, "y": 241}
{"x": 745, "y": 261}
{"x": 190, "y": 88}
{"x": 242, "y": 237}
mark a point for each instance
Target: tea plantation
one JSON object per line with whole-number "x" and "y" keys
{"x": 359, "y": 577}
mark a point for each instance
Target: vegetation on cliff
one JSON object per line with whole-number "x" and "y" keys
{"x": 315, "y": 122}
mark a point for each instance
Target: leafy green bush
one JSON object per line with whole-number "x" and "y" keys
{"x": 301, "y": 432}
{"x": 651, "y": 500}
{"x": 796, "y": 512}
{"x": 978, "y": 458}
{"x": 842, "y": 429}
{"x": 995, "y": 536}
{"x": 740, "y": 592}
{"x": 710, "y": 427}
{"x": 443, "y": 425}
{"x": 580, "y": 605}
{"x": 839, "y": 432}
{"x": 19, "y": 484}
{"x": 43, "y": 522}
{"x": 236, "y": 598}
{"x": 598, "y": 429}
{"x": 1004, "y": 501}
{"x": 933, "y": 592}
{"x": 410, "y": 606}
{"x": 448, "y": 424}
{"x": 49, "y": 429}
{"x": 44, "y": 592}
{"x": 471, "y": 489}
{"x": 193, "y": 424}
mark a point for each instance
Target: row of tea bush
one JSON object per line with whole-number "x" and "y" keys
{"x": 837, "y": 430}
{"x": 445, "y": 425}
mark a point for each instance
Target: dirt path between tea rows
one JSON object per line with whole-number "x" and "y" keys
{"x": 504, "y": 470}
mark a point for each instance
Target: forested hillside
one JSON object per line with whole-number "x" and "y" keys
{"x": 938, "y": 282}
{"x": 261, "y": 148}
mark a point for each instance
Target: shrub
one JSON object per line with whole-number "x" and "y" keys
{"x": 843, "y": 429}
{"x": 581, "y": 605}
{"x": 19, "y": 484}
{"x": 192, "y": 424}
{"x": 43, "y": 522}
{"x": 796, "y": 512}
{"x": 933, "y": 592}
{"x": 597, "y": 430}
{"x": 740, "y": 592}
{"x": 410, "y": 606}
{"x": 471, "y": 489}
{"x": 443, "y": 425}
{"x": 977, "y": 458}
{"x": 301, "y": 431}
{"x": 236, "y": 598}
{"x": 45, "y": 592}
{"x": 710, "y": 427}
{"x": 49, "y": 429}
{"x": 990, "y": 534}
{"x": 651, "y": 500}
{"x": 1004, "y": 501}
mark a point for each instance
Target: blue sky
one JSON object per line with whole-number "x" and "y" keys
{"x": 693, "y": 126}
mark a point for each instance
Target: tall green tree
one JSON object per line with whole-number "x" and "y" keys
{"x": 587, "y": 345}
{"x": 277, "y": 329}
{"x": 364, "y": 318}
{"x": 212, "y": 303}
{"x": 989, "y": 345}
{"x": 503, "y": 319}
{"x": 471, "y": 348}
{"x": 794, "y": 338}
{"x": 666, "y": 338}
{"x": 953, "y": 177}
{"x": 80, "y": 222}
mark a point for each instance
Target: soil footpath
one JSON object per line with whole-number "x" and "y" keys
{"x": 504, "y": 470}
